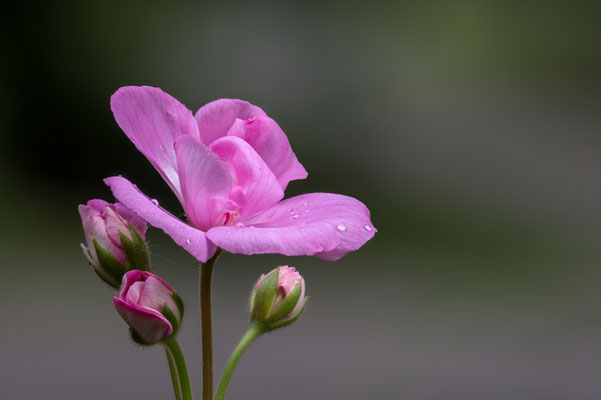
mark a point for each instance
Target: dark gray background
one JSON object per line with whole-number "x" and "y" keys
{"x": 471, "y": 129}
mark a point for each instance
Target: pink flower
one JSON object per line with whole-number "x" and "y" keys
{"x": 229, "y": 165}
{"x": 149, "y": 306}
{"x": 107, "y": 228}
{"x": 278, "y": 298}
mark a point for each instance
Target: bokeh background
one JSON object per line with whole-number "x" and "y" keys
{"x": 470, "y": 128}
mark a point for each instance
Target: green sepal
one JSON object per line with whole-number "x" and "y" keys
{"x": 284, "y": 307}
{"x": 135, "y": 336}
{"x": 251, "y": 301}
{"x": 265, "y": 295}
{"x": 109, "y": 266}
{"x": 167, "y": 313}
{"x": 290, "y": 320}
{"x": 109, "y": 280}
{"x": 179, "y": 303}
{"x": 135, "y": 249}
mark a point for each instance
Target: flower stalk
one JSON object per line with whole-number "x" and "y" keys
{"x": 206, "y": 276}
{"x": 256, "y": 328}
{"x": 179, "y": 371}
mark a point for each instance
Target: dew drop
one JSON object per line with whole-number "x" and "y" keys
{"x": 367, "y": 228}
{"x": 161, "y": 147}
{"x": 305, "y": 204}
{"x": 295, "y": 216}
{"x": 155, "y": 202}
{"x": 188, "y": 242}
{"x": 292, "y": 211}
{"x": 341, "y": 227}
{"x": 307, "y": 211}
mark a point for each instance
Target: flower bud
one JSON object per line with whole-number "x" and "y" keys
{"x": 278, "y": 298}
{"x": 150, "y": 306}
{"x": 115, "y": 238}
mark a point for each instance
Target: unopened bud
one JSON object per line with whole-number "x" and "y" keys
{"x": 278, "y": 298}
{"x": 115, "y": 240}
{"x": 150, "y": 306}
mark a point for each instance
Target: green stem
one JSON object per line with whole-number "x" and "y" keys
{"x": 181, "y": 369}
{"x": 206, "y": 273}
{"x": 251, "y": 334}
{"x": 174, "y": 377}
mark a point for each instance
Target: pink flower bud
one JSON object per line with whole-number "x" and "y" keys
{"x": 115, "y": 239}
{"x": 278, "y": 298}
{"x": 150, "y": 306}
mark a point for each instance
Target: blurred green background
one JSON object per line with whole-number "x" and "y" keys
{"x": 471, "y": 129}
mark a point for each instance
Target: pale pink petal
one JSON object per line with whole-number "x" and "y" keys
{"x": 270, "y": 142}
{"x": 256, "y": 187}
{"x": 94, "y": 228}
{"x": 205, "y": 181}
{"x": 152, "y": 120}
{"x": 321, "y": 224}
{"x": 94, "y": 207}
{"x": 132, "y": 218}
{"x": 115, "y": 225}
{"x": 288, "y": 279}
{"x": 194, "y": 241}
{"x": 150, "y": 324}
{"x": 215, "y": 119}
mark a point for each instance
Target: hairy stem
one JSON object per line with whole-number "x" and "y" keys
{"x": 174, "y": 377}
{"x": 251, "y": 334}
{"x": 179, "y": 371}
{"x": 206, "y": 273}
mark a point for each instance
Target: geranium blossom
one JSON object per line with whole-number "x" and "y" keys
{"x": 229, "y": 166}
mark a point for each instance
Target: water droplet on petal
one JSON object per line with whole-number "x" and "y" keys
{"x": 295, "y": 216}
{"x": 305, "y": 204}
{"x": 161, "y": 147}
{"x": 155, "y": 202}
{"x": 307, "y": 211}
{"x": 292, "y": 211}
{"x": 341, "y": 227}
{"x": 188, "y": 241}
{"x": 367, "y": 228}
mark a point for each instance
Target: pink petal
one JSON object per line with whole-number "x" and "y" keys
{"x": 134, "y": 292}
{"x": 150, "y": 324}
{"x": 256, "y": 187}
{"x": 194, "y": 241}
{"x": 215, "y": 119}
{"x": 205, "y": 181}
{"x": 135, "y": 275}
{"x": 321, "y": 224}
{"x": 155, "y": 295}
{"x": 152, "y": 120}
{"x": 270, "y": 142}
